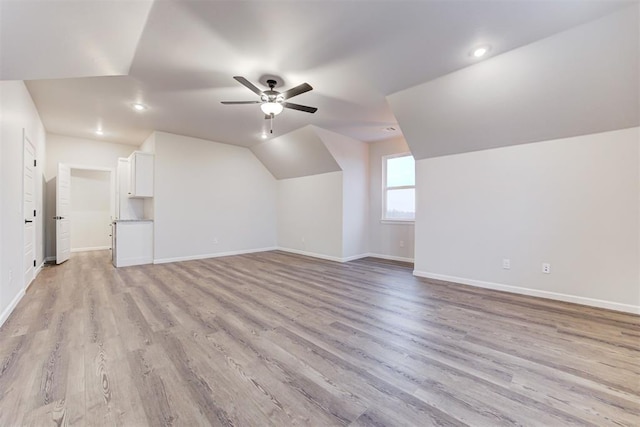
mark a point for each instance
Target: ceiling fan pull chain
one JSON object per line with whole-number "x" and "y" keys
{"x": 271, "y": 121}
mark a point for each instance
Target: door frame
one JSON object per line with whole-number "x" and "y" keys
{"x": 112, "y": 183}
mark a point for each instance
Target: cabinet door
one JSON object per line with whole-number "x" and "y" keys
{"x": 141, "y": 175}
{"x": 114, "y": 244}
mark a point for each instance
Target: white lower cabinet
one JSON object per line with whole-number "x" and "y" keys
{"x": 132, "y": 242}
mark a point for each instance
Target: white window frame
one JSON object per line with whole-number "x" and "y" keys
{"x": 384, "y": 219}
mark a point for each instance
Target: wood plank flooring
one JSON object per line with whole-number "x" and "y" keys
{"x": 279, "y": 339}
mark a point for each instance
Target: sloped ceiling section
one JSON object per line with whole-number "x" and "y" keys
{"x": 298, "y": 153}
{"x": 345, "y": 150}
{"x": 42, "y": 39}
{"x": 581, "y": 81}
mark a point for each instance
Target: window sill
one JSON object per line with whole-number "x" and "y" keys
{"x": 398, "y": 221}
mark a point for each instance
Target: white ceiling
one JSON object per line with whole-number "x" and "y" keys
{"x": 69, "y": 38}
{"x": 582, "y": 81}
{"x": 354, "y": 53}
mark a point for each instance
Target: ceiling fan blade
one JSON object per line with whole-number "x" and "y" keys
{"x": 299, "y": 107}
{"x": 248, "y": 85}
{"x": 304, "y": 87}
{"x": 240, "y": 102}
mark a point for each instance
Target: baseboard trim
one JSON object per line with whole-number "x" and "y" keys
{"x": 38, "y": 270}
{"x": 93, "y": 248}
{"x": 592, "y": 302}
{"x": 50, "y": 258}
{"x": 323, "y": 256}
{"x": 127, "y": 262}
{"x": 311, "y": 254}
{"x": 345, "y": 259}
{"x": 7, "y": 311}
{"x": 35, "y": 274}
{"x": 215, "y": 255}
{"x": 391, "y": 257}
{"x": 354, "y": 257}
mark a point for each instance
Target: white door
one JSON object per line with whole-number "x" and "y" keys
{"x": 63, "y": 208}
{"x": 29, "y": 213}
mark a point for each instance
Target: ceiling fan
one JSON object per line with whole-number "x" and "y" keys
{"x": 271, "y": 101}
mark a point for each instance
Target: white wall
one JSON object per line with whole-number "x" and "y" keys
{"x": 80, "y": 152}
{"x": 574, "y": 203}
{"x": 310, "y": 215}
{"x": 90, "y": 214}
{"x": 17, "y": 112}
{"x": 353, "y": 157}
{"x": 207, "y": 192}
{"x": 386, "y": 238}
{"x": 149, "y": 144}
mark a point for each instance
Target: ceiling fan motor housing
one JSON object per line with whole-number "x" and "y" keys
{"x": 271, "y": 95}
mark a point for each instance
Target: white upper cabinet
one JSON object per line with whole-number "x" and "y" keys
{"x": 141, "y": 176}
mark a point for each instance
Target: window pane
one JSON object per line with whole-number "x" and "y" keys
{"x": 401, "y": 204}
{"x": 401, "y": 171}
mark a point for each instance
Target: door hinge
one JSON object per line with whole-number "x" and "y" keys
{"x": 34, "y": 262}
{"x": 34, "y": 162}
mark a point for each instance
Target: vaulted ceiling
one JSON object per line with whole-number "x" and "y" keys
{"x": 87, "y": 62}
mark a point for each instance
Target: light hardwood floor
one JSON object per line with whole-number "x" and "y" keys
{"x": 279, "y": 339}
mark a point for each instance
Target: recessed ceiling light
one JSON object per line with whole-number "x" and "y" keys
{"x": 99, "y": 132}
{"x": 480, "y": 51}
{"x": 139, "y": 107}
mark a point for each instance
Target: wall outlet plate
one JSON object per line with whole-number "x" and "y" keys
{"x": 546, "y": 268}
{"x": 506, "y": 263}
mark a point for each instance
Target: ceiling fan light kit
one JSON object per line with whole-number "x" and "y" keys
{"x": 269, "y": 108}
{"x": 273, "y": 102}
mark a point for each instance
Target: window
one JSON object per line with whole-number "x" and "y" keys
{"x": 399, "y": 188}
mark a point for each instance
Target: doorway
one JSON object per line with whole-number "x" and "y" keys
{"x": 89, "y": 194}
{"x": 90, "y": 213}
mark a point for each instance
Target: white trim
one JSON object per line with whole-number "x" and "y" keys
{"x": 390, "y": 257}
{"x": 311, "y": 254}
{"x": 354, "y": 257}
{"x": 35, "y": 274}
{"x": 627, "y": 308}
{"x": 95, "y": 248}
{"x": 215, "y": 255}
{"x": 135, "y": 261}
{"x": 398, "y": 221}
{"x": 7, "y": 311}
{"x": 321, "y": 256}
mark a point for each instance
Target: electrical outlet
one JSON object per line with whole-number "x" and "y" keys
{"x": 302, "y": 239}
{"x": 546, "y": 268}
{"x": 215, "y": 240}
{"x": 506, "y": 263}
{"x": 402, "y": 243}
